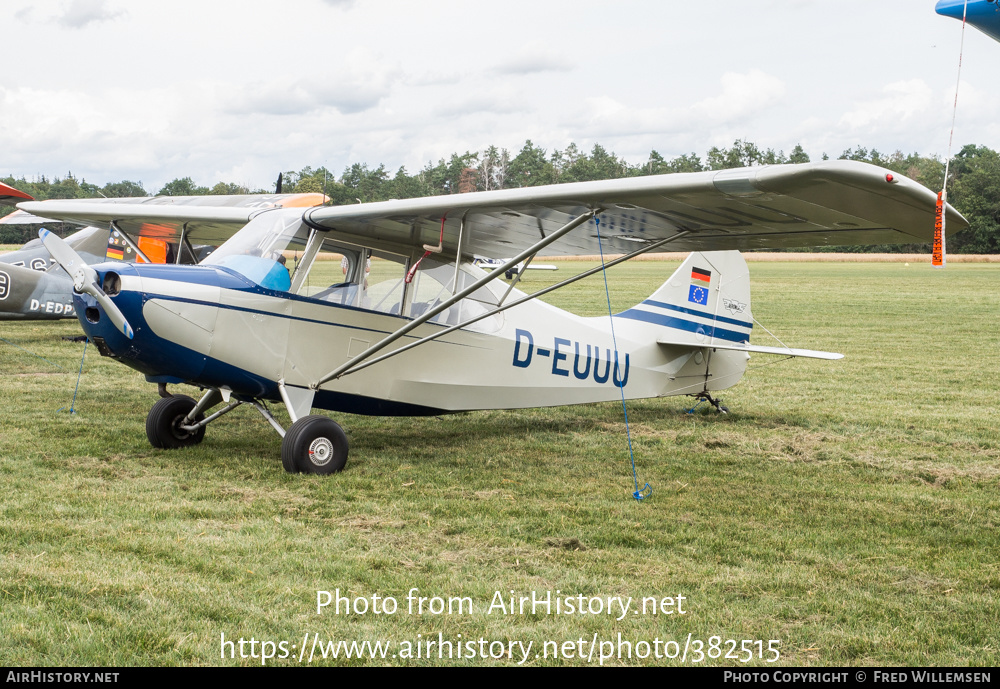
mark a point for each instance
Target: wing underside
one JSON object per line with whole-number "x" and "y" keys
{"x": 831, "y": 203}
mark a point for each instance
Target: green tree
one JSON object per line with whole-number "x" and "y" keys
{"x": 494, "y": 169}
{"x": 743, "y": 154}
{"x": 864, "y": 155}
{"x": 405, "y": 186}
{"x": 361, "y": 182}
{"x": 444, "y": 177}
{"x": 600, "y": 164}
{"x": 227, "y": 188}
{"x": 530, "y": 168}
{"x": 798, "y": 155}
{"x": 182, "y": 187}
{"x": 656, "y": 165}
{"x": 123, "y": 189}
{"x": 975, "y": 192}
{"x": 688, "y": 162}
{"x": 67, "y": 188}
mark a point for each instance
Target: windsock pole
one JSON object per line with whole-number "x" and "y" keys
{"x": 939, "y": 258}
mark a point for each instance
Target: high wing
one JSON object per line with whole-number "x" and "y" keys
{"x": 202, "y": 219}
{"x": 830, "y": 203}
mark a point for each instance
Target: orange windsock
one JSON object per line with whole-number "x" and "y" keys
{"x": 938, "y": 258}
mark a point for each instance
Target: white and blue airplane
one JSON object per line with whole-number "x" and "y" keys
{"x": 415, "y": 328}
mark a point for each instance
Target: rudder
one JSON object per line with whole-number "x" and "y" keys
{"x": 706, "y": 300}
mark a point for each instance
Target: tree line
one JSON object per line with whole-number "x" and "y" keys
{"x": 973, "y": 187}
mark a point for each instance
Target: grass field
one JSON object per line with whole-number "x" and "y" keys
{"x": 848, "y": 509}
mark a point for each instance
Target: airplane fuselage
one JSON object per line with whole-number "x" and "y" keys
{"x": 210, "y": 326}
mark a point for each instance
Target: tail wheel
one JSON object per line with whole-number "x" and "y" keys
{"x": 163, "y": 424}
{"x": 314, "y": 445}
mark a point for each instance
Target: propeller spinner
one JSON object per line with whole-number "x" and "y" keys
{"x": 84, "y": 278}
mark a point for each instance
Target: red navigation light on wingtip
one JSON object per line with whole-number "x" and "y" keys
{"x": 890, "y": 178}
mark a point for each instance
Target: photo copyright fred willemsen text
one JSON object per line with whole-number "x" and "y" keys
{"x": 314, "y": 646}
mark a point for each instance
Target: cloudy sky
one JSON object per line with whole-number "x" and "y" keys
{"x": 236, "y": 91}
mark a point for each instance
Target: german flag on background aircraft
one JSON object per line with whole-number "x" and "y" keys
{"x": 701, "y": 279}
{"x": 116, "y": 247}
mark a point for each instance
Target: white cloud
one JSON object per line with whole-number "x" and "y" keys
{"x": 81, "y": 13}
{"x": 304, "y": 96}
{"x": 743, "y": 95}
{"x": 488, "y": 101}
{"x": 741, "y": 98}
{"x": 900, "y": 102}
{"x": 534, "y": 59}
{"x": 353, "y": 83}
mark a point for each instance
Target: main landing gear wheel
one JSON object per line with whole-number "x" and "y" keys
{"x": 314, "y": 445}
{"x": 164, "y": 421}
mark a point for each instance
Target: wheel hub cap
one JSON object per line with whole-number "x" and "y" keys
{"x": 320, "y": 451}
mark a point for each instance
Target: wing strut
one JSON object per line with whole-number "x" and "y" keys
{"x": 529, "y": 297}
{"x": 180, "y": 245}
{"x": 517, "y": 278}
{"x": 458, "y": 253}
{"x": 455, "y": 298}
{"x": 128, "y": 240}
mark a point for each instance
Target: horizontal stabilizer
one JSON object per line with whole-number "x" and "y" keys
{"x": 783, "y": 351}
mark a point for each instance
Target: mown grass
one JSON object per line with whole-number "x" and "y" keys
{"x": 847, "y": 508}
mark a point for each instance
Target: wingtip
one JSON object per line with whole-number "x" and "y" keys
{"x": 950, "y": 8}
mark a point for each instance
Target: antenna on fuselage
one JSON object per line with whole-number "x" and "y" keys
{"x": 277, "y": 186}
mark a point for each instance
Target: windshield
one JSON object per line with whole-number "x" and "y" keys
{"x": 257, "y": 251}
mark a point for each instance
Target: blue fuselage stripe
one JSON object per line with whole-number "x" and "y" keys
{"x": 681, "y": 324}
{"x": 702, "y": 314}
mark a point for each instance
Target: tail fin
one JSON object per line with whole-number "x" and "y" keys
{"x": 699, "y": 316}
{"x": 705, "y": 303}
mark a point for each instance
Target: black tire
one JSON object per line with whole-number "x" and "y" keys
{"x": 164, "y": 420}
{"x": 314, "y": 445}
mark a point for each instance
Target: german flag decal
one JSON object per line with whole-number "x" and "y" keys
{"x": 701, "y": 279}
{"x": 116, "y": 249}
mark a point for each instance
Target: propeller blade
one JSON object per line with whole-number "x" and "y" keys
{"x": 84, "y": 278}
{"x": 64, "y": 255}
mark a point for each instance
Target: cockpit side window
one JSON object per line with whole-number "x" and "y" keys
{"x": 434, "y": 283}
{"x": 334, "y": 276}
{"x": 274, "y": 251}
{"x": 357, "y": 277}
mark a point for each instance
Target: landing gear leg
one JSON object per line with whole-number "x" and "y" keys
{"x": 717, "y": 403}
